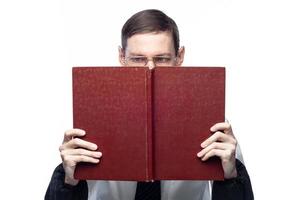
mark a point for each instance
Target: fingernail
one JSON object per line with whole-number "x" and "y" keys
{"x": 200, "y": 154}
{"x": 203, "y": 145}
{"x": 99, "y": 154}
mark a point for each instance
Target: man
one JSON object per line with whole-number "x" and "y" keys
{"x": 150, "y": 38}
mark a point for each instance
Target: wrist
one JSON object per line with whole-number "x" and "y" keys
{"x": 232, "y": 174}
{"x": 70, "y": 181}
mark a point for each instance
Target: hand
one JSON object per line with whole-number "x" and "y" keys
{"x": 74, "y": 150}
{"x": 222, "y": 144}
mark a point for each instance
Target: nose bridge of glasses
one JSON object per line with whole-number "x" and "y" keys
{"x": 150, "y": 63}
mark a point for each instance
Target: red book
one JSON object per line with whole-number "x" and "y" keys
{"x": 148, "y": 123}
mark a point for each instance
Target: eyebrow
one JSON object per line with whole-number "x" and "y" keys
{"x": 157, "y": 55}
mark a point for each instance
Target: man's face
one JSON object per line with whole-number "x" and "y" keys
{"x": 151, "y": 49}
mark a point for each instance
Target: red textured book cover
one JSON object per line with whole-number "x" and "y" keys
{"x": 148, "y": 123}
{"x": 110, "y": 104}
{"x": 187, "y": 102}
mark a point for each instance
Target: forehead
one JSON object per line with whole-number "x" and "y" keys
{"x": 150, "y": 44}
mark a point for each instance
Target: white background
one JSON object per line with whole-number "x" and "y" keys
{"x": 258, "y": 41}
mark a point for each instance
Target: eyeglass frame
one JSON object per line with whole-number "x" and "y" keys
{"x": 147, "y": 59}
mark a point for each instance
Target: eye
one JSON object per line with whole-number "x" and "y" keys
{"x": 137, "y": 59}
{"x": 162, "y": 59}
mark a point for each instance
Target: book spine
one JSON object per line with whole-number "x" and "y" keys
{"x": 149, "y": 126}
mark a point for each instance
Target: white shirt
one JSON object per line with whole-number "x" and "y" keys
{"x": 170, "y": 190}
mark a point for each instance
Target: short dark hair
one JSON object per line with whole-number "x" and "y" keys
{"x": 148, "y": 21}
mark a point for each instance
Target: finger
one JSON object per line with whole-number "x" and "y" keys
{"x": 72, "y": 160}
{"x": 219, "y": 137}
{"x": 69, "y": 134}
{"x": 78, "y": 143}
{"x": 82, "y": 152}
{"x": 223, "y": 127}
{"x": 213, "y": 152}
{"x": 215, "y": 145}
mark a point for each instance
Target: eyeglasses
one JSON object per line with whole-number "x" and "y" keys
{"x": 143, "y": 60}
